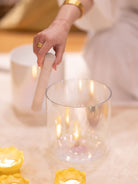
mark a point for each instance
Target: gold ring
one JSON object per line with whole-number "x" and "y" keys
{"x": 39, "y": 45}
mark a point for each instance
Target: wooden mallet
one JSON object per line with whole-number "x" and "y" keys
{"x": 43, "y": 82}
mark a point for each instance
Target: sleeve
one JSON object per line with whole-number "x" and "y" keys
{"x": 100, "y": 16}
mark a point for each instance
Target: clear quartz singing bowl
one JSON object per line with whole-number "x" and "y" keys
{"x": 78, "y": 114}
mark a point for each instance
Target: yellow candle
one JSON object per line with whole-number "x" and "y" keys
{"x": 11, "y": 160}
{"x": 13, "y": 179}
{"x": 70, "y": 176}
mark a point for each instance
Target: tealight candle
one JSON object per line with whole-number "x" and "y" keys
{"x": 70, "y": 176}
{"x": 13, "y": 179}
{"x": 11, "y": 160}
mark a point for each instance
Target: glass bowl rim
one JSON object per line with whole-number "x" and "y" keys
{"x": 90, "y": 106}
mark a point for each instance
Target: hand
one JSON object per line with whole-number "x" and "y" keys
{"x": 54, "y": 36}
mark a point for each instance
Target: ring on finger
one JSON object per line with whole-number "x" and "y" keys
{"x": 39, "y": 45}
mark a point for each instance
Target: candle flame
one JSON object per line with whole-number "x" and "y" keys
{"x": 58, "y": 126}
{"x": 67, "y": 116}
{"x": 76, "y": 130}
{"x": 91, "y": 87}
{"x": 34, "y": 71}
{"x": 7, "y": 163}
{"x": 72, "y": 182}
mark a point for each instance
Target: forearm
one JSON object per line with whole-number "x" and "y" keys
{"x": 70, "y": 13}
{"x": 55, "y": 35}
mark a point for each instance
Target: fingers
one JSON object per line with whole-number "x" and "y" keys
{"x": 41, "y": 49}
{"x": 59, "y": 53}
{"x": 37, "y": 39}
{"x": 42, "y": 52}
{"x": 46, "y": 43}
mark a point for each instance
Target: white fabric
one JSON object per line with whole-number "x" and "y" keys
{"x": 103, "y": 14}
{"x": 111, "y": 54}
{"x": 100, "y": 16}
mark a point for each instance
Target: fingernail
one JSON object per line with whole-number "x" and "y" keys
{"x": 54, "y": 66}
{"x": 39, "y": 65}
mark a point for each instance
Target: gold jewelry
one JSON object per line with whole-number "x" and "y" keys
{"x": 39, "y": 45}
{"x": 76, "y": 3}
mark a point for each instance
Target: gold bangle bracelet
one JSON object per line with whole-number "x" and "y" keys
{"x": 76, "y": 3}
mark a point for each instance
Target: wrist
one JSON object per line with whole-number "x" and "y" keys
{"x": 76, "y": 3}
{"x": 68, "y": 14}
{"x": 62, "y": 23}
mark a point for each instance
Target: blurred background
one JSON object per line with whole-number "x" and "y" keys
{"x": 20, "y": 20}
{"x": 28, "y": 15}
{"x": 113, "y": 22}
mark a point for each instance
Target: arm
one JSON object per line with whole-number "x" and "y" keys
{"x": 56, "y": 34}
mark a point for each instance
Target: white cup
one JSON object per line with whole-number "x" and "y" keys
{"x": 25, "y": 74}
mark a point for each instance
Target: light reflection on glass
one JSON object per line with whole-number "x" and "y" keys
{"x": 91, "y": 87}
{"x": 58, "y": 126}
{"x": 80, "y": 85}
{"x": 76, "y": 130}
{"x": 67, "y": 116}
{"x": 34, "y": 71}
